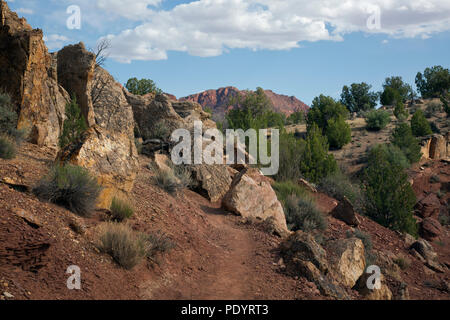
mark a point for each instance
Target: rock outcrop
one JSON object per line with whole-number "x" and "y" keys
{"x": 382, "y": 293}
{"x": 429, "y": 206}
{"x": 427, "y": 253}
{"x": 107, "y": 149}
{"x": 430, "y": 228}
{"x": 212, "y": 181}
{"x": 436, "y": 147}
{"x": 252, "y": 197}
{"x": 25, "y": 66}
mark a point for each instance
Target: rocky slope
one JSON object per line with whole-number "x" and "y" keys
{"x": 218, "y": 100}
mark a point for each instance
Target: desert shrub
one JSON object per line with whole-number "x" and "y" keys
{"x": 290, "y": 154}
{"x": 434, "y": 128}
{"x": 419, "y": 124}
{"x": 120, "y": 209}
{"x": 7, "y": 148}
{"x": 400, "y": 112}
{"x": 142, "y": 87}
{"x": 288, "y": 188}
{"x": 445, "y": 100}
{"x": 8, "y": 120}
{"x": 394, "y": 155}
{"x": 296, "y": 117}
{"x": 302, "y": 214}
{"x": 316, "y": 162}
{"x": 157, "y": 242}
{"x": 389, "y": 196}
{"x": 432, "y": 109}
{"x": 70, "y": 186}
{"x": 444, "y": 216}
{"x": 403, "y": 263}
{"x": 158, "y": 131}
{"x": 174, "y": 179}
{"x": 435, "y": 179}
{"x": 183, "y": 175}
{"x": 377, "y": 120}
{"x": 338, "y": 132}
{"x": 403, "y": 138}
{"x": 74, "y": 124}
{"x": 338, "y": 186}
{"x": 124, "y": 245}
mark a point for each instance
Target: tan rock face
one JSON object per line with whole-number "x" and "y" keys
{"x": 347, "y": 261}
{"x": 383, "y": 293}
{"x": 25, "y": 64}
{"x": 213, "y": 181}
{"x": 435, "y": 147}
{"x": 252, "y": 199}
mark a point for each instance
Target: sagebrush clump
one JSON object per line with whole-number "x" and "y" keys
{"x": 302, "y": 214}
{"x": 172, "y": 180}
{"x": 120, "y": 209}
{"x": 70, "y": 186}
{"x": 338, "y": 186}
{"x": 7, "y": 148}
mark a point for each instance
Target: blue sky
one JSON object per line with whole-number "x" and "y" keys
{"x": 294, "y": 47}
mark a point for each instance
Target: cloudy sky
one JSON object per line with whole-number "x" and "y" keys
{"x": 295, "y": 47}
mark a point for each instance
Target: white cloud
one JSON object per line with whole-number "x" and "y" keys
{"x": 210, "y": 27}
{"x": 24, "y": 10}
{"x": 55, "y": 41}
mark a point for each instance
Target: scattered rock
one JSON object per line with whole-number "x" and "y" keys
{"x": 345, "y": 212}
{"x": 257, "y": 199}
{"x": 430, "y": 228}
{"x": 308, "y": 186}
{"x": 212, "y": 181}
{"x": 8, "y": 295}
{"x": 347, "y": 260}
{"x": 29, "y": 218}
{"x": 428, "y": 206}
{"x": 424, "y": 249}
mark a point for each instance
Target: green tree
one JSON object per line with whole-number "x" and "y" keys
{"x": 358, "y": 97}
{"x": 403, "y": 138}
{"x": 74, "y": 125}
{"x": 338, "y": 132}
{"x": 296, "y": 118}
{"x": 389, "y": 196}
{"x": 420, "y": 125}
{"x": 316, "y": 163}
{"x": 433, "y": 82}
{"x": 377, "y": 119}
{"x": 400, "y": 111}
{"x": 323, "y": 109}
{"x": 445, "y": 99}
{"x": 290, "y": 157}
{"x": 394, "y": 90}
{"x": 142, "y": 87}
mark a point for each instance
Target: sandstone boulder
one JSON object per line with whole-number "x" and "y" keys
{"x": 25, "y": 66}
{"x": 344, "y": 211}
{"x": 212, "y": 181}
{"x": 255, "y": 199}
{"x": 428, "y": 206}
{"x": 191, "y": 111}
{"x": 347, "y": 260}
{"x": 382, "y": 293}
{"x": 430, "y": 228}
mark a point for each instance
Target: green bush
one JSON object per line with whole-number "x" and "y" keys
{"x": 70, "y": 186}
{"x": 403, "y": 138}
{"x": 389, "y": 97}
{"x": 394, "y": 155}
{"x": 420, "y": 125}
{"x": 400, "y": 112}
{"x": 316, "y": 162}
{"x": 74, "y": 124}
{"x": 377, "y": 120}
{"x": 290, "y": 157}
{"x": 288, "y": 188}
{"x": 174, "y": 179}
{"x": 8, "y": 120}
{"x": 120, "y": 210}
{"x": 338, "y": 186}
{"x": 338, "y": 132}
{"x": 302, "y": 214}
{"x": 142, "y": 87}
{"x": 7, "y": 148}
{"x": 389, "y": 196}
{"x": 296, "y": 118}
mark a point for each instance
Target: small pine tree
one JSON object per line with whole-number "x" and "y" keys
{"x": 338, "y": 132}
{"x": 389, "y": 196}
{"x": 445, "y": 102}
{"x": 400, "y": 112}
{"x": 403, "y": 138}
{"x": 74, "y": 125}
{"x": 420, "y": 125}
{"x": 316, "y": 162}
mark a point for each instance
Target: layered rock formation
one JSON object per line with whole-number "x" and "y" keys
{"x": 26, "y": 74}
{"x": 218, "y": 100}
{"x": 436, "y": 147}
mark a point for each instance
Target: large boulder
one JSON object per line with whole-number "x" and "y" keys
{"x": 381, "y": 293}
{"x": 430, "y": 228}
{"x": 435, "y": 147}
{"x": 253, "y": 197}
{"x": 429, "y": 206}
{"x": 25, "y": 66}
{"x": 107, "y": 149}
{"x": 347, "y": 260}
{"x": 75, "y": 72}
{"x": 344, "y": 211}
{"x": 212, "y": 181}
{"x": 304, "y": 257}
{"x": 191, "y": 112}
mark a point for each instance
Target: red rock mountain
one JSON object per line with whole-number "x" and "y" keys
{"x": 218, "y": 99}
